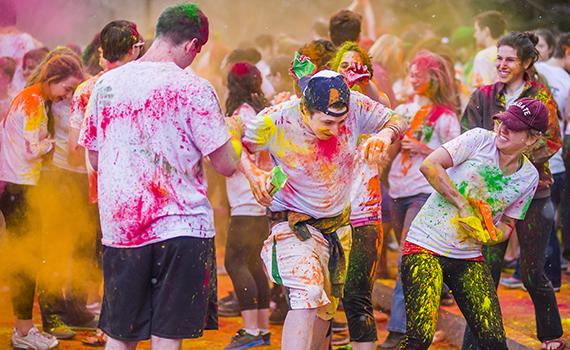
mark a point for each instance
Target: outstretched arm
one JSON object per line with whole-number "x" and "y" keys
{"x": 433, "y": 168}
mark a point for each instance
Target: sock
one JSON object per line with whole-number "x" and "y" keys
{"x": 254, "y": 331}
{"x": 263, "y": 331}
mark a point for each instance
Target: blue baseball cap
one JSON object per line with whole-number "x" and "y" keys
{"x": 324, "y": 89}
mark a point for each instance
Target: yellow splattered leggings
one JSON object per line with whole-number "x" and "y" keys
{"x": 472, "y": 286}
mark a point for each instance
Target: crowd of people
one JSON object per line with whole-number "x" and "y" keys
{"x": 333, "y": 151}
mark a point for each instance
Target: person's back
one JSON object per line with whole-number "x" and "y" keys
{"x": 156, "y": 124}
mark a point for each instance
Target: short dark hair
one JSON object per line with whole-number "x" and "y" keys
{"x": 320, "y": 52}
{"x": 117, "y": 38}
{"x": 183, "y": 22}
{"x": 547, "y": 35}
{"x": 523, "y": 43}
{"x": 344, "y": 26}
{"x": 562, "y": 43}
{"x": 250, "y": 55}
{"x": 90, "y": 55}
{"x": 8, "y": 66}
{"x": 494, "y": 20}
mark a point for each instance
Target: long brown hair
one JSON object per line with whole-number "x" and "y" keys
{"x": 59, "y": 64}
{"x": 244, "y": 86}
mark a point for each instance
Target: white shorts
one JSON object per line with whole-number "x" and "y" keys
{"x": 302, "y": 267}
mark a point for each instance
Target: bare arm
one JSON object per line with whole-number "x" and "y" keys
{"x": 94, "y": 160}
{"x": 433, "y": 168}
{"x": 506, "y": 226}
{"x": 75, "y": 152}
{"x": 225, "y": 159}
{"x": 257, "y": 178}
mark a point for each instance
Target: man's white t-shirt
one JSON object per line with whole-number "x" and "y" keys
{"x": 319, "y": 172}
{"x": 484, "y": 71}
{"x": 476, "y": 174}
{"x": 151, "y": 123}
{"x": 445, "y": 128}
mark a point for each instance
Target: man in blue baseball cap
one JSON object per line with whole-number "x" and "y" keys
{"x": 313, "y": 139}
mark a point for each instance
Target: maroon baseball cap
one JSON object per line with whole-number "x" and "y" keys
{"x": 525, "y": 113}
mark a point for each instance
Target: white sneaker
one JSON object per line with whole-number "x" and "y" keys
{"x": 35, "y": 340}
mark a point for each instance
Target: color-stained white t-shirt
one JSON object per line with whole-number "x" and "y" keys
{"x": 240, "y": 196}
{"x": 476, "y": 174}
{"x": 366, "y": 198}
{"x": 445, "y": 128}
{"x": 151, "y": 123}
{"x": 319, "y": 172}
{"x": 25, "y": 139}
{"x": 61, "y": 112}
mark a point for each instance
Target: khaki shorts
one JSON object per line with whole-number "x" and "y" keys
{"x": 302, "y": 267}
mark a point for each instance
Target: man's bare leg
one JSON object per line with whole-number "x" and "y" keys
{"x": 114, "y": 344}
{"x": 320, "y": 340}
{"x": 158, "y": 343}
{"x": 363, "y": 346}
{"x": 298, "y": 329}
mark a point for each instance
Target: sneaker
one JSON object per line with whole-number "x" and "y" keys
{"x": 56, "y": 327}
{"x": 228, "y": 306}
{"x": 244, "y": 340}
{"x": 34, "y": 340}
{"x": 392, "y": 340}
{"x": 279, "y": 313}
{"x": 446, "y": 299}
{"x": 338, "y": 326}
{"x": 511, "y": 282}
{"x": 266, "y": 336}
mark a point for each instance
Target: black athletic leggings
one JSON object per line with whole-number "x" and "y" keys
{"x": 243, "y": 261}
{"x": 357, "y": 300}
{"x": 472, "y": 285}
{"x": 533, "y": 233}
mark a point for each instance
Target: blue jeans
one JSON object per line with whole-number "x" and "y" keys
{"x": 552, "y": 267}
{"x": 403, "y": 207}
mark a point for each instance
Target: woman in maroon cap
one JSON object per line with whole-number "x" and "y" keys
{"x": 516, "y": 54}
{"x": 483, "y": 185}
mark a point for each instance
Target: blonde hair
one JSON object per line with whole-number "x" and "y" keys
{"x": 388, "y": 51}
{"x": 59, "y": 64}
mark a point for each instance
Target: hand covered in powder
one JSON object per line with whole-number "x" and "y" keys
{"x": 375, "y": 146}
{"x": 413, "y": 146}
{"x": 356, "y": 73}
{"x": 258, "y": 183}
{"x": 472, "y": 227}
